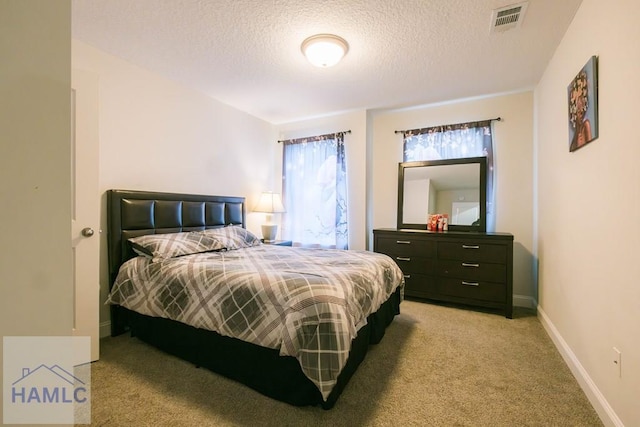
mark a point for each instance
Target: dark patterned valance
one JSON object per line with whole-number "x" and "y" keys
{"x": 446, "y": 128}
{"x": 315, "y": 138}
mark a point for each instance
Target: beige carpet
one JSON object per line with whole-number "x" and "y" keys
{"x": 436, "y": 366}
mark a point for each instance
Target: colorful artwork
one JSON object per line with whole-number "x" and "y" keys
{"x": 583, "y": 105}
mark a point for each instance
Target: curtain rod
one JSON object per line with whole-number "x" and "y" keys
{"x": 497, "y": 119}
{"x": 315, "y": 136}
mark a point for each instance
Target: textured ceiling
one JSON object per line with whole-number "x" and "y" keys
{"x": 246, "y": 53}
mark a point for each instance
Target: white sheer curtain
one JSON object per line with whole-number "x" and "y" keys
{"x": 473, "y": 139}
{"x": 315, "y": 192}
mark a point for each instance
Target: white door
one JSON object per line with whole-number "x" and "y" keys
{"x": 85, "y": 209}
{"x": 465, "y": 213}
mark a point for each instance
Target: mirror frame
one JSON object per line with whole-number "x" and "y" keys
{"x": 482, "y": 183}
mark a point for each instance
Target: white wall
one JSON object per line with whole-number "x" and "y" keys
{"x": 513, "y": 155}
{"x": 588, "y": 204}
{"x": 356, "y": 154}
{"x": 157, "y": 135}
{"x": 35, "y": 117}
{"x": 36, "y": 292}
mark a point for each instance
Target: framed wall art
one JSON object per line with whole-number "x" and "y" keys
{"x": 582, "y": 96}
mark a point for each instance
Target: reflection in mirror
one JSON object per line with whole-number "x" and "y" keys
{"x": 453, "y": 187}
{"x": 446, "y": 189}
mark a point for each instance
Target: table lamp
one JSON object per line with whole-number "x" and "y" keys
{"x": 269, "y": 203}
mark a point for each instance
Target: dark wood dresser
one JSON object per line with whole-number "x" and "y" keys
{"x": 459, "y": 267}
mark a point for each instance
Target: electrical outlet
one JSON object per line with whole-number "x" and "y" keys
{"x": 617, "y": 361}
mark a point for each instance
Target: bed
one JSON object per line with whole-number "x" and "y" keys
{"x": 262, "y": 327}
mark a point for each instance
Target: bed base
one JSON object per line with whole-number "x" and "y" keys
{"x": 262, "y": 369}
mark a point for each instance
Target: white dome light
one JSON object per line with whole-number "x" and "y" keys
{"x": 324, "y": 50}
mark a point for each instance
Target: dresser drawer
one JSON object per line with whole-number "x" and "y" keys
{"x": 472, "y": 270}
{"x": 472, "y": 251}
{"x": 473, "y": 290}
{"x": 418, "y": 285}
{"x": 414, "y": 264}
{"x": 403, "y": 246}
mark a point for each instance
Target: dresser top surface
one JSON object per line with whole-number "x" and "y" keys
{"x": 446, "y": 233}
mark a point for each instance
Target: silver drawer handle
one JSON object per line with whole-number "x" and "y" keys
{"x": 464, "y": 264}
{"x": 401, "y": 258}
{"x": 470, "y": 246}
{"x": 407, "y": 276}
{"x": 403, "y": 242}
{"x": 470, "y": 283}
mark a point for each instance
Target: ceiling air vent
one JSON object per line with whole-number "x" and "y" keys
{"x": 508, "y": 17}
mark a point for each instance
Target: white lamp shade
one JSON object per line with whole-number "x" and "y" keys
{"x": 269, "y": 203}
{"x": 324, "y": 50}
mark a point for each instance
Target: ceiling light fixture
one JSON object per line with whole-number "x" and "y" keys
{"x": 324, "y": 50}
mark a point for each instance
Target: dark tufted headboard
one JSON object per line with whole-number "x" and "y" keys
{"x": 135, "y": 213}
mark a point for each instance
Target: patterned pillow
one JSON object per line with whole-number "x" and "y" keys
{"x": 233, "y": 237}
{"x": 171, "y": 245}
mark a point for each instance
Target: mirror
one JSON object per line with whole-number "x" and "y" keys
{"x": 456, "y": 187}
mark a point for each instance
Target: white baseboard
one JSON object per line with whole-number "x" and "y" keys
{"x": 524, "y": 301}
{"x": 598, "y": 401}
{"x": 105, "y": 329}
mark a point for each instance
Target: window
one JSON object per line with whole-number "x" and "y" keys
{"x": 315, "y": 191}
{"x": 461, "y": 140}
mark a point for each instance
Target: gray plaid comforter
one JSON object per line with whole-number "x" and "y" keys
{"x": 306, "y": 303}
